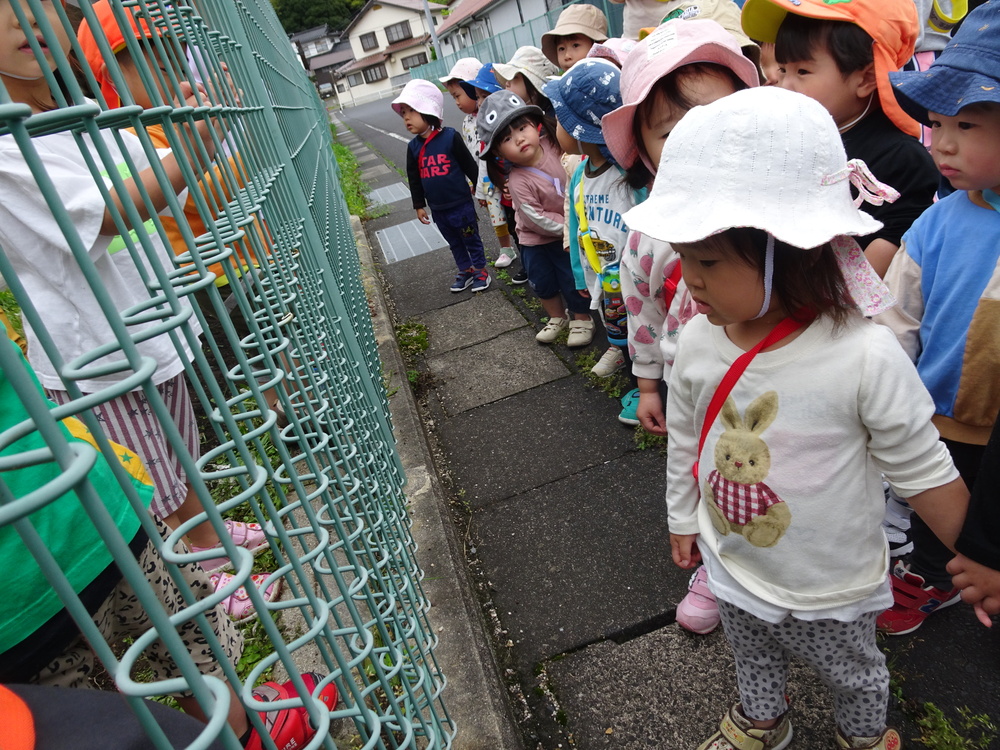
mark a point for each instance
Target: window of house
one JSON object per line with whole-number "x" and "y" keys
{"x": 368, "y": 41}
{"x": 341, "y": 88}
{"x": 414, "y": 60}
{"x": 398, "y": 32}
{"x": 355, "y": 79}
{"x": 375, "y": 73}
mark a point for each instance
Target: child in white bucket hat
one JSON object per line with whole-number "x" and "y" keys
{"x": 437, "y": 166}
{"x": 784, "y": 405}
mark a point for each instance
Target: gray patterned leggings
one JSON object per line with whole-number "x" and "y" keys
{"x": 843, "y": 654}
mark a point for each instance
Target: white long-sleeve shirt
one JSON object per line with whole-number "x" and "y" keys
{"x": 850, "y": 407}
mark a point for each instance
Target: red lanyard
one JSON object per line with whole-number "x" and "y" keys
{"x": 670, "y": 285}
{"x": 785, "y": 328}
{"x": 420, "y": 156}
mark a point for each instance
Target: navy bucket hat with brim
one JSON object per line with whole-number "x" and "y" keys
{"x": 967, "y": 71}
{"x": 583, "y": 95}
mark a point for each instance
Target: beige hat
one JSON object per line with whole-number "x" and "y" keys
{"x": 529, "y": 62}
{"x": 576, "y": 19}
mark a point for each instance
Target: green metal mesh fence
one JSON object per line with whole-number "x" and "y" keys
{"x": 251, "y": 143}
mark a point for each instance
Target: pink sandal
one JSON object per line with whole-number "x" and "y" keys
{"x": 238, "y": 605}
{"x": 247, "y": 535}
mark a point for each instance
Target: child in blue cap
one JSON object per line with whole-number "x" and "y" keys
{"x": 946, "y": 277}
{"x": 598, "y": 196}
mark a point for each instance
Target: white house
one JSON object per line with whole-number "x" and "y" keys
{"x": 388, "y": 37}
{"x": 473, "y": 21}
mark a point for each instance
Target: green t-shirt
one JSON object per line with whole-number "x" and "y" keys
{"x": 28, "y": 600}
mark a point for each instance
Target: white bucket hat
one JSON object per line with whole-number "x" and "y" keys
{"x": 421, "y": 96}
{"x": 529, "y": 62}
{"x": 773, "y": 160}
{"x": 462, "y": 70}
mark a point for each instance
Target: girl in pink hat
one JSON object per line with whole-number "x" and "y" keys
{"x": 684, "y": 63}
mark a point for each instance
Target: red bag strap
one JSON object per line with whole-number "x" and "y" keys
{"x": 428, "y": 139}
{"x": 670, "y": 285}
{"x": 18, "y": 724}
{"x": 785, "y": 328}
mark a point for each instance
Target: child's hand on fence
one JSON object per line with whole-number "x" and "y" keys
{"x": 422, "y": 215}
{"x": 684, "y": 550}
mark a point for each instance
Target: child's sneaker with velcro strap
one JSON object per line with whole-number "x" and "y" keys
{"x": 481, "y": 280}
{"x": 915, "y": 601}
{"x": 290, "y": 728}
{"x": 463, "y": 280}
{"x": 737, "y": 732}
{"x": 888, "y": 740}
{"x": 698, "y": 612}
{"x": 610, "y": 362}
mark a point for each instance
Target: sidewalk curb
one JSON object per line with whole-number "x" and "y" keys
{"x": 475, "y": 694}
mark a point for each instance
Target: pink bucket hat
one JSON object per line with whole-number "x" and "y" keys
{"x": 462, "y": 70}
{"x": 673, "y": 45}
{"x": 615, "y": 49}
{"x": 421, "y": 96}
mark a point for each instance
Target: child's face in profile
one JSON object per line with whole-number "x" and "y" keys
{"x": 726, "y": 289}
{"x": 133, "y": 81}
{"x": 966, "y": 147}
{"x": 566, "y": 142}
{"x": 413, "y": 120}
{"x": 661, "y": 116}
{"x": 465, "y": 105}
{"x": 845, "y": 97}
{"x": 572, "y": 48}
{"x": 481, "y": 95}
{"x": 17, "y": 61}
{"x": 516, "y": 85}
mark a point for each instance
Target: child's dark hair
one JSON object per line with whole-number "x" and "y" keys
{"x": 496, "y": 168}
{"x": 536, "y": 97}
{"x": 638, "y": 175}
{"x": 432, "y": 120}
{"x": 799, "y": 37}
{"x": 804, "y": 279}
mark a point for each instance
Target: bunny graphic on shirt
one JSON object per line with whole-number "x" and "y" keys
{"x": 738, "y": 500}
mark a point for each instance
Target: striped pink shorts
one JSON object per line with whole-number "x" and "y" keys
{"x": 130, "y": 421}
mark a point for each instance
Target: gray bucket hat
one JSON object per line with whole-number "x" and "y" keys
{"x": 498, "y": 111}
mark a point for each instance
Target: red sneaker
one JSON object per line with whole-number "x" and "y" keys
{"x": 289, "y": 728}
{"x": 914, "y": 601}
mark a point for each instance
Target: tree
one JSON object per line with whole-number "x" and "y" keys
{"x": 297, "y": 15}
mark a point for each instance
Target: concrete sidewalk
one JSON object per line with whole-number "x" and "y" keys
{"x": 543, "y": 536}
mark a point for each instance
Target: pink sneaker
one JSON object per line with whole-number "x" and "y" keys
{"x": 698, "y": 611}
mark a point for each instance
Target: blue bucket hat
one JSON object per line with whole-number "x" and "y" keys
{"x": 485, "y": 79}
{"x": 583, "y": 95}
{"x": 967, "y": 71}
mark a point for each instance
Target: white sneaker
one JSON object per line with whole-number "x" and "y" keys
{"x": 610, "y": 362}
{"x": 581, "y": 333}
{"x": 503, "y": 260}
{"x": 551, "y": 331}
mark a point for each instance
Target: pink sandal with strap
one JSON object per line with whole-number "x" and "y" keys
{"x": 238, "y": 605}
{"x": 247, "y": 535}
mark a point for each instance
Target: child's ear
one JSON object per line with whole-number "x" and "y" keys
{"x": 867, "y": 83}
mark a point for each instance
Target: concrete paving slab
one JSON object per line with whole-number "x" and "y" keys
{"x": 408, "y": 240}
{"x": 372, "y": 172}
{"x": 481, "y": 374}
{"x": 669, "y": 689}
{"x": 397, "y": 191}
{"x": 583, "y": 558}
{"x": 420, "y": 284}
{"x": 477, "y": 318}
{"x": 540, "y": 440}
